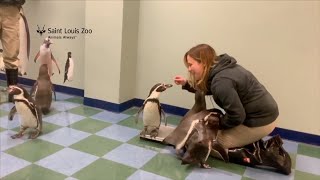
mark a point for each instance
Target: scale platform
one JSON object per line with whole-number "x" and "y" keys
{"x": 164, "y": 131}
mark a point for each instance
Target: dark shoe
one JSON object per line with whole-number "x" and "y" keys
{"x": 263, "y": 154}
{"x": 12, "y": 79}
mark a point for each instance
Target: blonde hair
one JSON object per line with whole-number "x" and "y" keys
{"x": 206, "y": 55}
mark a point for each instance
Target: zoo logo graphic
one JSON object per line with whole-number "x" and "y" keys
{"x": 41, "y": 31}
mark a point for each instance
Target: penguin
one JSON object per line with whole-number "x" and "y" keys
{"x": 197, "y": 146}
{"x": 1, "y": 61}
{"x": 29, "y": 113}
{"x": 185, "y": 129}
{"x": 42, "y": 90}
{"x": 45, "y": 55}
{"x": 68, "y": 70}
{"x": 24, "y": 51}
{"x": 152, "y": 111}
{"x": 201, "y": 141}
{"x": 179, "y": 133}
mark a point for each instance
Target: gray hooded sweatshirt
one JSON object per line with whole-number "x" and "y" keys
{"x": 240, "y": 94}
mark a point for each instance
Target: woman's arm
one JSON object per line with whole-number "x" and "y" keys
{"x": 227, "y": 98}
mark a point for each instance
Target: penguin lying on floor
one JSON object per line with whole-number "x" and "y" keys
{"x": 177, "y": 134}
{"x": 192, "y": 136}
{"x": 42, "y": 90}
{"x": 201, "y": 140}
{"x": 152, "y": 111}
{"x": 30, "y": 115}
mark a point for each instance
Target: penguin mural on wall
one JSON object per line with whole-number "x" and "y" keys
{"x": 45, "y": 55}
{"x": 152, "y": 111}
{"x": 24, "y": 51}
{"x": 30, "y": 115}
{"x": 68, "y": 70}
{"x": 42, "y": 90}
{"x": 1, "y": 60}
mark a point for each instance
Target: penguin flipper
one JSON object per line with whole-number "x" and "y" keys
{"x": 12, "y": 113}
{"x": 163, "y": 114}
{"x": 54, "y": 92}
{"x": 37, "y": 56}
{"x": 54, "y": 60}
{"x": 33, "y": 88}
{"x": 138, "y": 113}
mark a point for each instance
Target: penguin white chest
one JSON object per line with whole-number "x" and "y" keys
{"x": 45, "y": 55}
{"x": 151, "y": 114}
{"x": 27, "y": 119}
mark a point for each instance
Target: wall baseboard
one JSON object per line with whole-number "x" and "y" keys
{"x": 284, "y": 133}
{"x": 58, "y": 88}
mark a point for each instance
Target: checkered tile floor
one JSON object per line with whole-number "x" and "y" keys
{"x": 80, "y": 142}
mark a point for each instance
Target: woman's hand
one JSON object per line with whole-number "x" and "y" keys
{"x": 180, "y": 80}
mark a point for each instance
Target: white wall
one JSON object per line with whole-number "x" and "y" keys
{"x": 130, "y": 24}
{"x": 103, "y": 50}
{"x": 57, "y": 14}
{"x": 277, "y": 41}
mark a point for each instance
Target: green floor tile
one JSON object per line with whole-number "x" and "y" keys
{"x": 131, "y": 111}
{"x": 3, "y": 113}
{"x": 230, "y": 167}
{"x": 96, "y": 145}
{"x": 78, "y": 100}
{"x": 49, "y": 127}
{"x": 246, "y": 178}
{"x": 40, "y": 149}
{"x": 2, "y": 129}
{"x": 309, "y": 150}
{"x": 131, "y": 122}
{"x": 293, "y": 160}
{"x": 46, "y": 128}
{"x": 147, "y": 144}
{"x": 34, "y": 172}
{"x": 90, "y": 125}
{"x": 104, "y": 169}
{"x": 84, "y": 111}
{"x": 52, "y": 112}
{"x": 174, "y": 120}
{"x": 298, "y": 175}
{"x": 168, "y": 166}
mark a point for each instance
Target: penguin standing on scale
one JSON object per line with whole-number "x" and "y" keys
{"x": 45, "y": 56}
{"x": 68, "y": 70}
{"x": 30, "y": 115}
{"x": 152, "y": 111}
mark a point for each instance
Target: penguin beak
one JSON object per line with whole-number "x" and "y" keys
{"x": 168, "y": 85}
